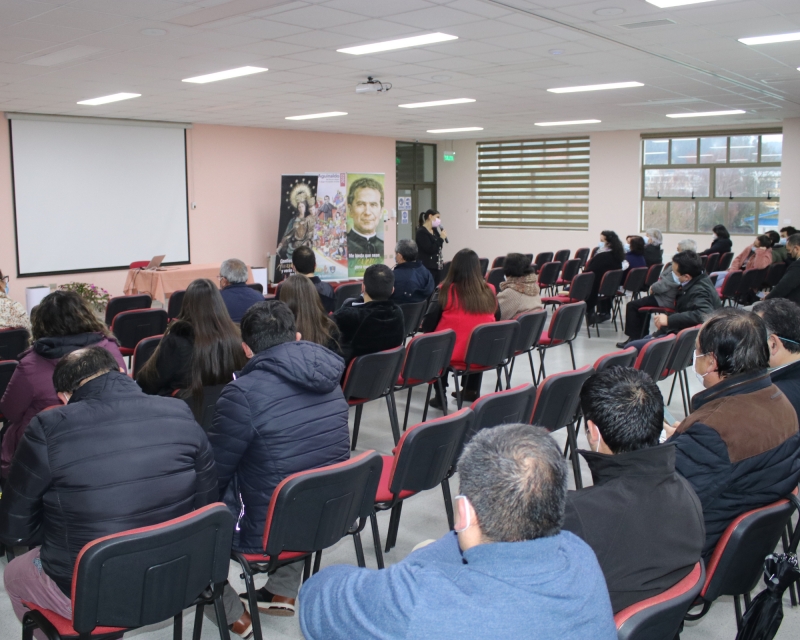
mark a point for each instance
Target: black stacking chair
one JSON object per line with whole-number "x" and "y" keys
{"x": 143, "y": 351}
{"x": 131, "y": 327}
{"x": 257, "y": 286}
{"x": 563, "y": 329}
{"x": 495, "y": 277}
{"x": 412, "y": 315}
{"x": 583, "y": 255}
{"x": 725, "y": 261}
{"x": 653, "y": 356}
{"x": 12, "y": 343}
{"x": 712, "y": 264}
{"x": 653, "y": 274}
{"x": 548, "y": 275}
{"x": 484, "y": 266}
{"x": 624, "y": 358}
{"x": 531, "y": 326}
{"x": 345, "y": 291}
{"x": 679, "y": 361}
{"x": 607, "y": 291}
{"x": 126, "y": 303}
{"x": 175, "y": 303}
{"x": 542, "y": 258}
{"x": 561, "y": 256}
{"x": 502, "y": 407}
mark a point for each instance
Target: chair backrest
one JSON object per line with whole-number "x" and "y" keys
{"x": 557, "y": 398}
{"x": 712, "y": 264}
{"x": 775, "y": 274}
{"x": 484, "y": 265}
{"x": 561, "y": 256}
{"x": 725, "y": 261}
{"x": 502, "y": 407}
{"x": 531, "y": 325}
{"x": 703, "y": 261}
{"x": 570, "y": 269}
{"x": 495, "y": 277}
{"x": 12, "y": 343}
{"x": 732, "y": 284}
{"x": 610, "y": 283}
{"x": 583, "y": 255}
{"x": 256, "y": 286}
{"x": 548, "y": 274}
{"x": 7, "y": 368}
{"x": 581, "y": 287}
{"x": 491, "y": 344}
{"x": 139, "y": 264}
{"x": 175, "y": 303}
{"x": 653, "y": 357}
{"x": 345, "y": 291}
{"x": 635, "y": 279}
{"x": 498, "y": 262}
{"x": 427, "y": 356}
{"x": 148, "y": 575}
{"x": 566, "y": 321}
{"x": 661, "y": 617}
{"x": 427, "y": 451}
{"x": 751, "y": 281}
{"x": 372, "y": 376}
{"x": 529, "y": 256}
{"x": 653, "y": 274}
{"x": 132, "y": 326}
{"x": 624, "y": 358}
{"x": 313, "y": 510}
{"x": 143, "y": 351}
{"x": 119, "y": 304}
{"x": 543, "y": 258}
{"x": 738, "y": 559}
{"x": 412, "y": 315}
{"x": 681, "y": 355}
{"x": 204, "y": 413}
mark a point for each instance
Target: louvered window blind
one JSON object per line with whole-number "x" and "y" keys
{"x": 535, "y": 184}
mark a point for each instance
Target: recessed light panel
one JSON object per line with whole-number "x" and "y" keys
{"x": 781, "y": 37}
{"x": 668, "y": 4}
{"x": 435, "y": 103}
{"x": 402, "y": 43}
{"x": 225, "y": 75}
{"x": 114, "y": 97}
{"x": 458, "y": 130}
{"x": 597, "y": 87}
{"x": 703, "y": 114}
{"x": 312, "y": 116}
{"x": 565, "y": 123}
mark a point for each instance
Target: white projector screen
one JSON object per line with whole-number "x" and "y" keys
{"x": 91, "y": 196}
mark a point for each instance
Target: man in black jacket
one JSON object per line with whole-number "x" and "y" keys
{"x": 783, "y": 337}
{"x": 377, "y": 323}
{"x": 694, "y": 301}
{"x": 641, "y": 518}
{"x": 305, "y": 263}
{"x": 740, "y": 446}
{"x": 789, "y": 285}
{"x": 112, "y": 459}
{"x": 412, "y": 280}
{"x": 284, "y": 413}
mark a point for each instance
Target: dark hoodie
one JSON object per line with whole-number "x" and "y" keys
{"x": 369, "y": 327}
{"x": 283, "y": 414}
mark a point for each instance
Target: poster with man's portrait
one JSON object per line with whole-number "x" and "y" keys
{"x": 365, "y": 212}
{"x": 298, "y": 219}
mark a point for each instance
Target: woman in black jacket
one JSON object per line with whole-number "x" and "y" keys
{"x": 609, "y": 257}
{"x": 430, "y": 239}
{"x": 722, "y": 242}
{"x": 653, "y": 253}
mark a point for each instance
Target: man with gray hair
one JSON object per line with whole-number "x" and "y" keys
{"x": 507, "y": 568}
{"x": 412, "y": 281}
{"x": 238, "y": 297}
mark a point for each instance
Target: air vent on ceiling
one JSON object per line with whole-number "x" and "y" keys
{"x": 647, "y": 24}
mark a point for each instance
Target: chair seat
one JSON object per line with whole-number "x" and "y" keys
{"x": 461, "y": 366}
{"x": 125, "y": 351}
{"x": 352, "y": 402}
{"x": 64, "y": 626}
{"x": 656, "y": 310}
{"x": 263, "y": 557}
{"x": 557, "y": 300}
{"x": 549, "y": 342}
{"x": 383, "y": 494}
{"x": 410, "y": 382}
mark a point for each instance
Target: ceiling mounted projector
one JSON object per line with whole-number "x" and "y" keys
{"x": 373, "y": 86}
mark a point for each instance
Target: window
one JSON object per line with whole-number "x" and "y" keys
{"x": 692, "y": 183}
{"x": 539, "y": 184}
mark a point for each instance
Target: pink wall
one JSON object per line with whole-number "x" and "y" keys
{"x": 234, "y": 177}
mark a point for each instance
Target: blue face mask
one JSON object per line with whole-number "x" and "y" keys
{"x": 627, "y": 247}
{"x": 675, "y": 278}
{"x": 782, "y": 242}
{"x": 6, "y": 288}
{"x": 601, "y": 245}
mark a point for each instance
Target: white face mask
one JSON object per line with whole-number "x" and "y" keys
{"x": 700, "y": 376}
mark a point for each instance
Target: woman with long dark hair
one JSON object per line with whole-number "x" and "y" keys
{"x": 313, "y": 324}
{"x": 430, "y": 240}
{"x": 466, "y": 302}
{"x": 200, "y": 348}
{"x": 609, "y": 257}
{"x": 722, "y": 242}
{"x": 61, "y": 323}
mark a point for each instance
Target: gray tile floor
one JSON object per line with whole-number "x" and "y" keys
{"x": 424, "y": 517}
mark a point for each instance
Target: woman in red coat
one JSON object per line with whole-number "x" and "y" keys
{"x": 466, "y": 301}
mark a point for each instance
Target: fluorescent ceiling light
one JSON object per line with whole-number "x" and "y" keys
{"x": 459, "y": 130}
{"x": 667, "y": 4}
{"x": 597, "y": 87}
{"x": 781, "y": 37}
{"x": 114, "y": 97}
{"x": 311, "y": 116}
{"x": 402, "y": 43}
{"x": 225, "y": 75}
{"x": 565, "y": 122}
{"x": 703, "y": 114}
{"x": 435, "y": 103}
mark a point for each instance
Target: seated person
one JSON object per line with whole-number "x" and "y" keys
{"x": 304, "y": 261}
{"x": 722, "y": 243}
{"x": 519, "y": 293}
{"x": 284, "y": 413}
{"x": 238, "y": 297}
{"x": 412, "y": 281}
{"x": 653, "y": 253}
{"x": 789, "y": 285}
{"x": 757, "y": 256}
{"x": 12, "y": 314}
{"x": 377, "y": 323}
{"x": 313, "y": 323}
{"x": 779, "y": 253}
{"x": 783, "y": 336}
{"x": 694, "y": 300}
{"x": 635, "y": 254}
{"x": 785, "y": 234}
{"x": 740, "y": 446}
{"x": 507, "y": 567}
{"x": 641, "y": 518}
{"x": 79, "y": 474}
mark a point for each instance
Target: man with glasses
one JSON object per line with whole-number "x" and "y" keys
{"x": 740, "y": 447}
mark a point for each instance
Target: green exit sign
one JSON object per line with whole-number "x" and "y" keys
{"x": 449, "y": 156}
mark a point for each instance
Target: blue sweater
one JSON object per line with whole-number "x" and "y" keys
{"x": 550, "y": 588}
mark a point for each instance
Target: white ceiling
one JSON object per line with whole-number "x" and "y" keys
{"x": 56, "y": 52}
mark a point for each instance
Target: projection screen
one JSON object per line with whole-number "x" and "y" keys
{"x": 96, "y": 195}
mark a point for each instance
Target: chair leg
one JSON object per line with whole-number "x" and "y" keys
{"x": 360, "y": 560}
{"x": 427, "y": 402}
{"x": 683, "y": 394}
{"x": 394, "y": 525}
{"x": 27, "y": 629}
{"x": 688, "y": 397}
{"x": 250, "y": 587}
{"x": 785, "y": 539}
{"x": 448, "y": 503}
{"x": 572, "y": 354}
{"x": 459, "y": 395}
{"x": 672, "y": 388}
{"x": 408, "y": 406}
{"x": 177, "y": 627}
{"x": 317, "y": 561}
{"x": 222, "y": 621}
{"x": 533, "y": 371}
{"x": 573, "y": 445}
{"x": 442, "y": 395}
{"x": 376, "y": 538}
{"x": 306, "y": 568}
{"x": 198, "y": 622}
{"x": 393, "y": 417}
{"x": 737, "y": 606}
{"x": 356, "y": 425}
{"x": 542, "y": 373}
{"x": 508, "y": 375}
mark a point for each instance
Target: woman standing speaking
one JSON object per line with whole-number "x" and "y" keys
{"x": 430, "y": 238}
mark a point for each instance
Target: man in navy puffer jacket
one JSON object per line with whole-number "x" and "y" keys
{"x": 283, "y": 414}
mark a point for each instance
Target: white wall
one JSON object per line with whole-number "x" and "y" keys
{"x": 614, "y": 198}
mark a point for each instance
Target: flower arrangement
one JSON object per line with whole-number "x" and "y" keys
{"x": 97, "y": 297}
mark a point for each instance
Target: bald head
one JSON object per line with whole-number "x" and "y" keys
{"x": 78, "y": 367}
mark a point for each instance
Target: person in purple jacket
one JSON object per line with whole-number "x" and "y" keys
{"x": 61, "y": 323}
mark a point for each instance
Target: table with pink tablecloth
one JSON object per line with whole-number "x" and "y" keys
{"x": 161, "y": 284}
